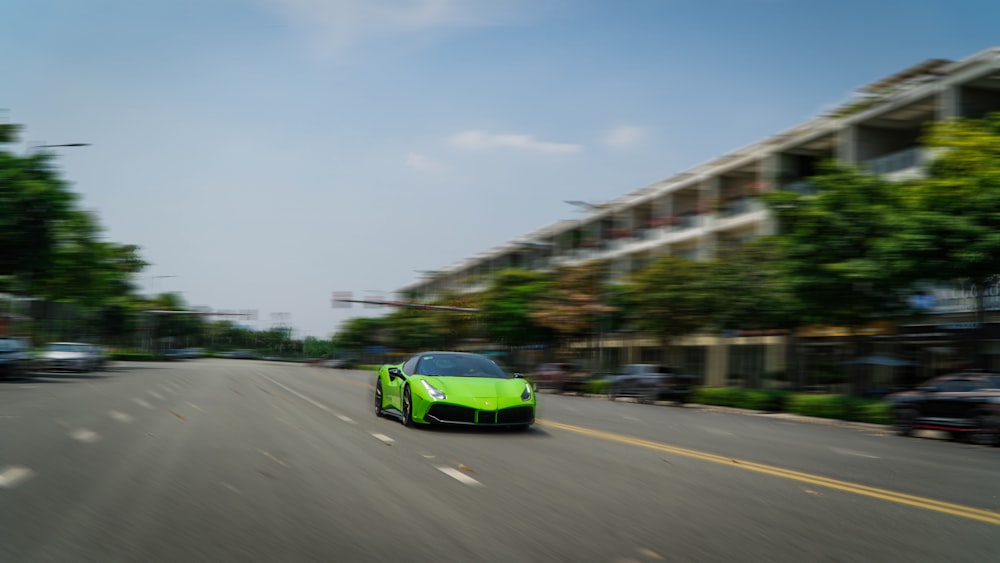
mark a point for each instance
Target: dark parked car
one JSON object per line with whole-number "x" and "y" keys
{"x": 15, "y": 359}
{"x": 650, "y": 382}
{"x": 560, "y": 376}
{"x": 965, "y": 404}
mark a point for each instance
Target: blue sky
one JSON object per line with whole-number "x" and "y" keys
{"x": 266, "y": 153}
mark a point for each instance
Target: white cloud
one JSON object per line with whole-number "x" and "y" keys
{"x": 422, "y": 163}
{"x": 481, "y": 140}
{"x": 622, "y": 136}
{"x": 336, "y": 24}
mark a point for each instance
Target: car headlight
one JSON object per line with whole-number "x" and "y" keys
{"x": 434, "y": 392}
{"x": 526, "y": 394}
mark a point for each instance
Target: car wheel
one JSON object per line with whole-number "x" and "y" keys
{"x": 407, "y": 407}
{"x": 985, "y": 434}
{"x": 903, "y": 422}
{"x": 378, "y": 398}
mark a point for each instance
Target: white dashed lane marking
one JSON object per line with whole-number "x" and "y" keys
{"x": 156, "y": 395}
{"x": 854, "y": 453}
{"x": 141, "y": 403}
{"x": 166, "y": 388}
{"x": 194, "y": 406}
{"x": 383, "y": 438}
{"x": 345, "y": 418}
{"x": 458, "y": 476}
{"x": 312, "y": 402}
{"x": 84, "y": 435}
{"x": 13, "y": 476}
{"x": 120, "y": 416}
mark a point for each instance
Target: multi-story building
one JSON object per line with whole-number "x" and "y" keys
{"x": 716, "y": 204}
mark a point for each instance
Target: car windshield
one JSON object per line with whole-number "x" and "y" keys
{"x": 458, "y": 365}
{"x": 65, "y": 348}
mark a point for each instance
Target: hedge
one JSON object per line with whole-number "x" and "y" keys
{"x": 772, "y": 400}
{"x": 839, "y": 407}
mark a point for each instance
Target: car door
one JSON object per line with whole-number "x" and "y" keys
{"x": 940, "y": 401}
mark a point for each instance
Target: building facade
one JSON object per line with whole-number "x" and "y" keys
{"x": 702, "y": 210}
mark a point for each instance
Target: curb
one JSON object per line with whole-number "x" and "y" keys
{"x": 835, "y": 422}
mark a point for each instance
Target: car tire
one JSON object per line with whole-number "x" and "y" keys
{"x": 407, "y": 407}
{"x": 985, "y": 434}
{"x": 651, "y": 396}
{"x": 902, "y": 421}
{"x": 378, "y": 398}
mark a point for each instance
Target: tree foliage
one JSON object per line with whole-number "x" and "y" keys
{"x": 834, "y": 247}
{"x": 749, "y": 289}
{"x": 672, "y": 297}
{"x": 576, "y": 303}
{"x": 951, "y": 226}
{"x": 50, "y": 248}
{"x": 508, "y": 305}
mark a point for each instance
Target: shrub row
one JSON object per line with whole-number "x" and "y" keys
{"x": 772, "y": 400}
{"x": 839, "y": 407}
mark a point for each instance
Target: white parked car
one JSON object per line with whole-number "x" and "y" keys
{"x": 70, "y": 356}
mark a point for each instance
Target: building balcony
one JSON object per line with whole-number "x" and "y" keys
{"x": 910, "y": 159}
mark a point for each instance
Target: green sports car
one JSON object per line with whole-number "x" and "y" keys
{"x": 454, "y": 388}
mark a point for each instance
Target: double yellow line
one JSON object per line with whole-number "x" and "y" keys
{"x": 987, "y": 516}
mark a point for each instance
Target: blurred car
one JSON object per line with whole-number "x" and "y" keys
{"x": 339, "y": 363}
{"x": 454, "y": 388}
{"x": 100, "y": 356}
{"x": 173, "y": 354}
{"x": 650, "y": 382}
{"x": 965, "y": 404}
{"x": 560, "y": 376}
{"x": 15, "y": 359}
{"x": 192, "y": 353}
{"x": 68, "y": 356}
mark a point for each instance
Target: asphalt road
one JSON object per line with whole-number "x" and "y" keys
{"x": 238, "y": 460}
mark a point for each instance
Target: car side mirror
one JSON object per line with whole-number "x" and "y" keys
{"x": 394, "y": 373}
{"x": 518, "y": 376}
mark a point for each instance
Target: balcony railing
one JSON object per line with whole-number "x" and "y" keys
{"x": 894, "y": 162}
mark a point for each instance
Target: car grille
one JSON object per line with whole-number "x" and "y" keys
{"x": 516, "y": 415}
{"x": 452, "y": 413}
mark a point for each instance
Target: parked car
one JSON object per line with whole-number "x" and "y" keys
{"x": 15, "y": 359}
{"x": 560, "y": 376}
{"x": 339, "y": 363}
{"x": 965, "y": 404}
{"x": 70, "y": 356}
{"x": 650, "y": 382}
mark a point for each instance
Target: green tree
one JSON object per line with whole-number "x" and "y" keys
{"x": 838, "y": 254}
{"x": 949, "y": 230}
{"x": 33, "y": 202}
{"x": 672, "y": 297}
{"x": 175, "y": 325}
{"x": 359, "y": 333}
{"x": 48, "y": 247}
{"x": 508, "y": 306}
{"x": 577, "y": 304}
{"x": 749, "y": 289}
{"x": 415, "y": 329}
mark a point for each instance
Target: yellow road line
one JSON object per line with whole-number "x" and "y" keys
{"x": 988, "y": 516}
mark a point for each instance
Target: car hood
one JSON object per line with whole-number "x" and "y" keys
{"x": 64, "y": 355}
{"x": 481, "y": 387}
